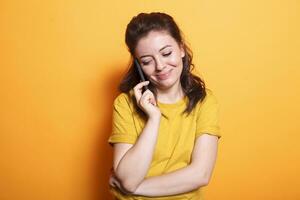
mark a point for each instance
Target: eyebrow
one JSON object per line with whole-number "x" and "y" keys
{"x": 159, "y": 50}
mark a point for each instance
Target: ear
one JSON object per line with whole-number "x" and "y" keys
{"x": 182, "y": 51}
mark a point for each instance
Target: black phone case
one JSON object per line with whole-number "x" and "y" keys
{"x": 141, "y": 74}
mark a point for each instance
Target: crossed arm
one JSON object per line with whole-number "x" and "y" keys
{"x": 183, "y": 180}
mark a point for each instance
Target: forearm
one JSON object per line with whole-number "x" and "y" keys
{"x": 134, "y": 165}
{"x": 180, "y": 181}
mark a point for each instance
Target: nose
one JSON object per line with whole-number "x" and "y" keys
{"x": 159, "y": 64}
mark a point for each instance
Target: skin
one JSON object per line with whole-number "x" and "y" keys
{"x": 160, "y": 54}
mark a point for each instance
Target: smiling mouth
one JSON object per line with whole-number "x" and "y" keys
{"x": 164, "y": 76}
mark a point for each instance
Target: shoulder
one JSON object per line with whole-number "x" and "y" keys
{"x": 124, "y": 99}
{"x": 210, "y": 98}
{"x": 210, "y": 94}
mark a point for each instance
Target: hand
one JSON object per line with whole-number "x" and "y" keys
{"x": 146, "y": 101}
{"x": 113, "y": 181}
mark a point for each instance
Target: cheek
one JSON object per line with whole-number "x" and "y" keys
{"x": 148, "y": 70}
{"x": 175, "y": 60}
{"x": 178, "y": 64}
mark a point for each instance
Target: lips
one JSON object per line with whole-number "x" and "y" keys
{"x": 164, "y": 75}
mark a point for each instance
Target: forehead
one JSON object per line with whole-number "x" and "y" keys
{"x": 153, "y": 42}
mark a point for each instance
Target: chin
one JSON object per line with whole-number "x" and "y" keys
{"x": 166, "y": 84}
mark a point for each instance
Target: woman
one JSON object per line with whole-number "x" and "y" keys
{"x": 165, "y": 139}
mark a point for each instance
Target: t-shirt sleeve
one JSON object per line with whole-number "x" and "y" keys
{"x": 208, "y": 116}
{"x": 123, "y": 127}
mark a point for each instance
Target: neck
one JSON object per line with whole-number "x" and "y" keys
{"x": 170, "y": 95}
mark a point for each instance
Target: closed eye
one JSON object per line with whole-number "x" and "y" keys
{"x": 167, "y": 54}
{"x": 146, "y": 62}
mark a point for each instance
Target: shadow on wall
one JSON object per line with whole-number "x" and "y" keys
{"x": 101, "y": 161}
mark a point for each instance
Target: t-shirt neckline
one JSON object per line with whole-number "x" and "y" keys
{"x": 168, "y": 105}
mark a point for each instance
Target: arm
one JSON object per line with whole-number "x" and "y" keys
{"x": 132, "y": 166}
{"x": 195, "y": 175}
{"x": 132, "y": 154}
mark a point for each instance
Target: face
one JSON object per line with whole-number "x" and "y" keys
{"x": 160, "y": 57}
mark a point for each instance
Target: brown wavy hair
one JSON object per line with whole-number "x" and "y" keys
{"x": 139, "y": 26}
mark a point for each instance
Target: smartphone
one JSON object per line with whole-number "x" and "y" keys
{"x": 141, "y": 74}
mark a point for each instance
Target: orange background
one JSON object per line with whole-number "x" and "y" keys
{"x": 61, "y": 62}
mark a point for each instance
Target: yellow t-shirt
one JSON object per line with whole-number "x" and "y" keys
{"x": 175, "y": 142}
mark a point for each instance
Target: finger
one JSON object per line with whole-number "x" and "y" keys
{"x": 152, "y": 97}
{"x": 116, "y": 184}
{"x": 146, "y": 97}
{"x": 143, "y": 83}
{"x": 153, "y": 102}
{"x": 111, "y": 182}
{"x": 149, "y": 97}
{"x": 140, "y": 85}
{"x": 148, "y": 92}
{"x": 139, "y": 88}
